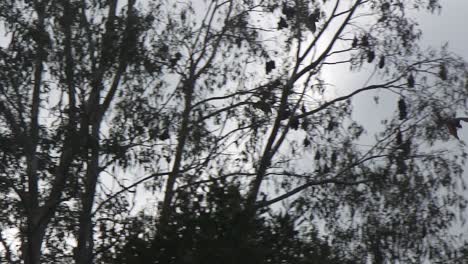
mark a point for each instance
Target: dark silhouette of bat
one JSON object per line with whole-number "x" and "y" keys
{"x": 453, "y": 125}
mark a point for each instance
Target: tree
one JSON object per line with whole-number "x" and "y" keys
{"x": 205, "y": 230}
{"x": 61, "y": 68}
{"x": 97, "y": 88}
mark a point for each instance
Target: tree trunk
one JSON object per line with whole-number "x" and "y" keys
{"x": 182, "y": 137}
{"x": 85, "y": 234}
{"x": 33, "y": 245}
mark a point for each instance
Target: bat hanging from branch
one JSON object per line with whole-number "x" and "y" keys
{"x": 453, "y": 125}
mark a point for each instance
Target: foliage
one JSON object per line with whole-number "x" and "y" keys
{"x": 207, "y": 230}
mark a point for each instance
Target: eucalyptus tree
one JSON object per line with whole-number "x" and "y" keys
{"x": 205, "y": 230}
{"x": 259, "y": 106}
{"x": 62, "y": 65}
{"x": 194, "y": 93}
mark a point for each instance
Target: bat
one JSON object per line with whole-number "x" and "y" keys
{"x": 453, "y": 125}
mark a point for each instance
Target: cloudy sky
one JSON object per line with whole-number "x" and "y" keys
{"x": 450, "y": 26}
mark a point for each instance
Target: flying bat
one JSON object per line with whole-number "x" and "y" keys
{"x": 453, "y": 125}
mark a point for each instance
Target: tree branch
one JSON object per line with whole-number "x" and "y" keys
{"x": 330, "y": 45}
{"x": 125, "y": 189}
{"x": 333, "y": 180}
{"x": 346, "y": 97}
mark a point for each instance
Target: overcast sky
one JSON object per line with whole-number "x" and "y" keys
{"x": 450, "y": 26}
